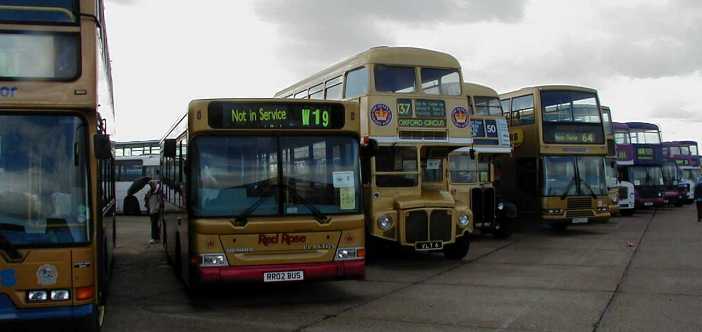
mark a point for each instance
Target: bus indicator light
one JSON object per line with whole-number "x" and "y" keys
{"x": 84, "y": 293}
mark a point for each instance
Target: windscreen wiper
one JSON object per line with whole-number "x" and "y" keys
{"x": 8, "y": 247}
{"x": 318, "y": 215}
{"x": 567, "y": 189}
{"x": 592, "y": 192}
{"x": 241, "y": 219}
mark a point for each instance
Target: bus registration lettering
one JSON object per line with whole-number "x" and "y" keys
{"x": 283, "y": 276}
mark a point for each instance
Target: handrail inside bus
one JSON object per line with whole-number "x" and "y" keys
{"x": 42, "y": 9}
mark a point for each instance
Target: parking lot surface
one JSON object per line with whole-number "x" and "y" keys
{"x": 635, "y": 273}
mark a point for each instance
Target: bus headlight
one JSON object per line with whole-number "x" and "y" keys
{"x": 347, "y": 254}
{"x": 660, "y": 194}
{"x": 500, "y": 206}
{"x": 385, "y": 222}
{"x": 60, "y": 295}
{"x": 463, "y": 220}
{"x": 37, "y": 296}
{"x": 213, "y": 260}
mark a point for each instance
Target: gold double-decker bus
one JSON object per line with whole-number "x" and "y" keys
{"x": 413, "y": 114}
{"x": 558, "y": 166}
{"x": 472, "y": 169}
{"x": 263, "y": 190}
{"x": 57, "y": 190}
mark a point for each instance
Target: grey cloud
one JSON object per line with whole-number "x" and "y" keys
{"x": 319, "y": 32}
{"x": 673, "y": 112}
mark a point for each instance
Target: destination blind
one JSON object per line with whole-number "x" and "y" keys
{"x": 275, "y": 115}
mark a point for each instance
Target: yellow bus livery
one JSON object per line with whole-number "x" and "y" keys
{"x": 57, "y": 226}
{"x": 414, "y": 115}
{"x": 558, "y": 171}
{"x": 264, "y": 190}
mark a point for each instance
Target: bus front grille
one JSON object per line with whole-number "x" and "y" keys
{"x": 416, "y": 226}
{"x": 440, "y": 225}
{"x": 476, "y": 205}
{"x": 579, "y": 203}
{"x": 579, "y": 214}
{"x": 623, "y": 193}
{"x": 489, "y": 205}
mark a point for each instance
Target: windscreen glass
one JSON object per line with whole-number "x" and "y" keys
{"x": 43, "y": 171}
{"x": 39, "y": 11}
{"x": 267, "y": 175}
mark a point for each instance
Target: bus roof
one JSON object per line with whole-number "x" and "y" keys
{"x": 620, "y": 126}
{"x": 475, "y": 89}
{"x": 642, "y": 126}
{"x": 530, "y": 89}
{"x": 411, "y": 56}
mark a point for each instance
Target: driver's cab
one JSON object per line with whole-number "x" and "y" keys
{"x": 470, "y": 178}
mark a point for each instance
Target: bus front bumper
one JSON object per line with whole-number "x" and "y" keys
{"x": 650, "y": 202}
{"x": 10, "y": 313}
{"x": 355, "y": 269}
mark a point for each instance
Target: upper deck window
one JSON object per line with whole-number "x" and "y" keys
{"x": 621, "y": 138}
{"x": 487, "y": 106}
{"x": 693, "y": 150}
{"x": 39, "y": 11}
{"x": 394, "y": 79}
{"x": 570, "y": 106}
{"x": 52, "y": 56}
{"x": 356, "y": 83}
{"x": 645, "y": 137}
{"x": 441, "y": 81}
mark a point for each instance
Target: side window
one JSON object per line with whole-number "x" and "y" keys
{"x": 333, "y": 90}
{"x": 523, "y": 110}
{"x": 301, "y": 95}
{"x": 506, "y": 107}
{"x": 356, "y": 83}
{"x": 317, "y": 91}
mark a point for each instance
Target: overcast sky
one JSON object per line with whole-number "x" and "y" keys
{"x": 643, "y": 56}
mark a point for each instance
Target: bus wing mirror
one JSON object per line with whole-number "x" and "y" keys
{"x": 102, "y": 146}
{"x": 169, "y": 148}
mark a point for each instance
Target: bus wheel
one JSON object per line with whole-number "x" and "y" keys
{"x": 457, "y": 250}
{"x": 503, "y": 229}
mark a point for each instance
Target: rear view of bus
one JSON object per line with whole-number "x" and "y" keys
{"x": 264, "y": 191}
{"x": 56, "y": 186}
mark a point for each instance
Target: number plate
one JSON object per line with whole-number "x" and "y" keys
{"x": 580, "y": 220}
{"x": 648, "y": 203}
{"x": 428, "y": 245}
{"x": 283, "y": 276}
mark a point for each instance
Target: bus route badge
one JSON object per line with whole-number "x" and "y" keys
{"x": 47, "y": 275}
{"x": 459, "y": 117}
{"x": 381, "y": 115}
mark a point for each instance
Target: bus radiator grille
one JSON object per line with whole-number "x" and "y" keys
{"x": 476, "y": 205}
{"x": 579, "y": 203}
{"x": 440, "y": 226}
{"x": 489, "y": 205}
{"x": 623, "y": 193}
{"x": 416, "y": 228}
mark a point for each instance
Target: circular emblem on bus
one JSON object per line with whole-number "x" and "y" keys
{"x": 47, "y": 275}
{"x": 381, "y": 115}
{"x": 459, "y": 117}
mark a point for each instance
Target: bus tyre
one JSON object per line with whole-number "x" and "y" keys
{"x": 90, "y": 323}
{"x": 459, "y": 249}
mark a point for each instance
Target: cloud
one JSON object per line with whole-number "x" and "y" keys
{"x": 319, "y": 32}
{"x": 124, "y": 2}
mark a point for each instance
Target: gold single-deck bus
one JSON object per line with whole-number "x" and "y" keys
{"x": 472, "y": 171}
{"x": 57, "y": 190}
{"x": 413, "y": 109}
{"x": 558, "y": 167}
{"x": 263, "y": 190}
